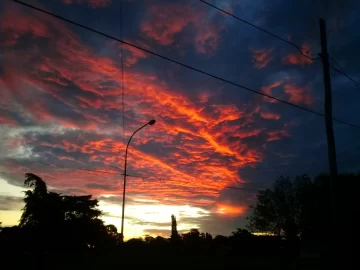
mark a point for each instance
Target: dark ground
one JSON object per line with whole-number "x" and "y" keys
{"x": 155, "y": 261}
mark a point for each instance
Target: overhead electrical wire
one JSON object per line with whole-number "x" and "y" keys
{"x": 180, "y": 63}
{"x": 341, "y": 71}
{"x": 122, "y": 71}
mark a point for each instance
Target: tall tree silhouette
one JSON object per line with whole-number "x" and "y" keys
{"x": 174, "y": 233}
{"x": 67, "y": 219}
{"x": 302, "y": 207}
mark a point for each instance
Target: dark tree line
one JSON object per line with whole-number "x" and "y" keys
{"x": 293, "y": 211}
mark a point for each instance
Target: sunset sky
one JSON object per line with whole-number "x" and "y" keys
{"x": 61, "y": 105}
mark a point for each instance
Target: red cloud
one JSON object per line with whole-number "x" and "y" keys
{"x": 267, "y": 115}
{"x": 91, "y": 3}
{"x": 298, "y": 95}
{"x": 8, "y": 121}
{"x": 266, "y": 89}
{"x": 207, "y": 37}
{"x": 297, "y": 59}
{"x": 165, "y": 21}
{"x": 134, "y": 55}
{"x": 262, "y": 57}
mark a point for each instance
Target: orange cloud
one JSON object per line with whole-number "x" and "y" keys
{"x": 91, "y": 3}
{"x": 231, "y": 210}
{"x": 262, "y": 57}
{"x": 298, "y": 95}
{"x": 165, "y": 21}
{"x": 270, "y": 116}
{"x": 297, "y": 59}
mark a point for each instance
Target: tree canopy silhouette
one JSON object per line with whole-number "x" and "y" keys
{"x": 68, "y": 219}
{"x": 300, "y": 208}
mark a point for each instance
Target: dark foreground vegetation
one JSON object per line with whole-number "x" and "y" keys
{"x": 66, "y": 232}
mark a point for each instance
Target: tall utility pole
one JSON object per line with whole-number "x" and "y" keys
{"x": 330, "y": 142}
{"x": 328, "y": 114}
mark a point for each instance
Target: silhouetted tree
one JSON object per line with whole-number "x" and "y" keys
{"x": 149, "y": 239}
{"x": 174, "y": 233}
{"x": 221, "y": 239}
{"x": 193, "y": 237}
{"x": 302, "y": 207}
{"x": 279, "y": 210}
{"x": 208, "y": 237}
{"x": 241, "y": 234}
{"x": 68, "y": 219}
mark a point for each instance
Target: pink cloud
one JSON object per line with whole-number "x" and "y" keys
{"x": 267, "y": 89}
{"x": 298, "y": 95}
{"x": 262, "y": 57}
{"x": 270, "y": 116}
{"x": 133, "y": 55}
{"x": 295, "y": 94}
{"x": 297, "y": 59}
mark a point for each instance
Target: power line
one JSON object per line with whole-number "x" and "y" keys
{"x": 100, "y": 171}
{"x": 182, "y": 64}
{"x": 261, "y": 29}
{"x": 341, "y": 71}
{"x": 122, "y": 71}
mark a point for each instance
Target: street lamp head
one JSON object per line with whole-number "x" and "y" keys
{"x": 151, "y": 122}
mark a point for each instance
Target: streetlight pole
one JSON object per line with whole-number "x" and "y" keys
{"x": 151, "y": 122}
